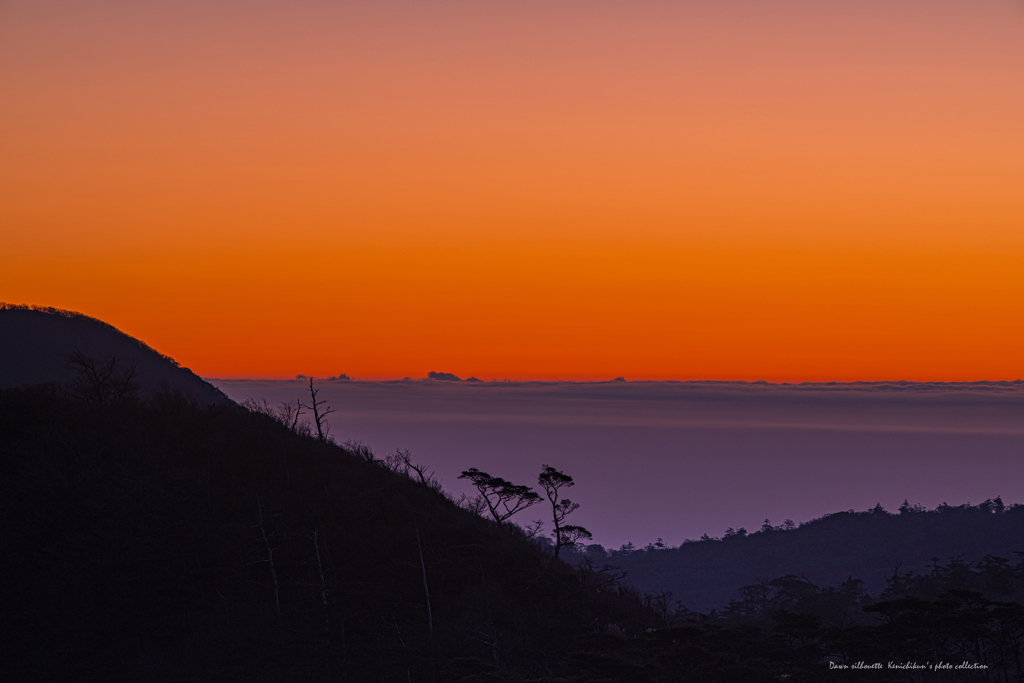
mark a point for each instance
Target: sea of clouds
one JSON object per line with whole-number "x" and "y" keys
{"x": 679, "y": 459}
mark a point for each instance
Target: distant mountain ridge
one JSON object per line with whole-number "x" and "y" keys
{"x": 869, "y": 545}
{"x": 35, "y": 342}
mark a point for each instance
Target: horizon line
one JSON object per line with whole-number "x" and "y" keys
{"x": 594, "y": 380}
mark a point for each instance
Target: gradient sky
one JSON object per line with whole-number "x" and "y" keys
{"x": 730, "y": 189}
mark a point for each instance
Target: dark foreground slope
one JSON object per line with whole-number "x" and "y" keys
{"x": 169, "y": 541}
{"x": 869, "y": 546}
{"x": 165, "y": 541}
{"x": 35, "y": 344}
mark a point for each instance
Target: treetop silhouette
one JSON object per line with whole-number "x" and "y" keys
{"x": 502, "y": 497}
{"x": 553, "y": 481}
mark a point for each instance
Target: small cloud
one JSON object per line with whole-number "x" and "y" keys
{"x": 340, "y": 378}
{"x": 472, "y": 379}
{"x": 445, "y": 376}
{"x": 300, "y": 377}
{"x": 619, "y": 379}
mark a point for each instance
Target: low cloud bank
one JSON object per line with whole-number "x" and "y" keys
{"x": 680, "y": 459}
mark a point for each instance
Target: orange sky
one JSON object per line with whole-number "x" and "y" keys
{"x": 792, "y": 190}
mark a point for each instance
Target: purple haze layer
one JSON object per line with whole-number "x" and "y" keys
{"x": 679, "y": 459}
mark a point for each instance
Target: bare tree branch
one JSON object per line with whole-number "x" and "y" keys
{"x": 270, "y": 559}
{"x": 323, "y": 427}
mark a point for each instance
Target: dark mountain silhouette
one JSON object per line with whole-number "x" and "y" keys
{"x": 35, "y": 344}
{"x": 161, "y": 538}
{"x": 869, "y": 546}
{"x": 165, "y": 540}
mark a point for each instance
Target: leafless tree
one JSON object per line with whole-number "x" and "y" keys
{"x": 323, "y": 597}
{"x": 426, "y": 586}
{"x": 426, "y": 478}
{"x": 533, "y": 528}
{"x": 360, "y": 450}
{"x": 101, "y": 382}
{"x": 320, "y": 414}
{"x": 401, "y": 462}
{"x": 320, "y": 570}
{"x": 659, "y": 602}
{"x": 395, "y": 463}
{"x": 259, "y": 406}
{"x": 286, "y": 413}
{"x": 606, "y": 578}
{"x": 474, "y": 504}
{"x": 270, "y": 558}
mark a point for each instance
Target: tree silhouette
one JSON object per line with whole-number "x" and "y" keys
{"x": 101, "y": 382}
{"x": 552, "y": 481}
{"x": 401, "y": 462}
{"x": 503, "y": 498}
{"x": 323, "y": 428}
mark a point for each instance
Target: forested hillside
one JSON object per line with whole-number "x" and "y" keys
{"x": 870, "y": 546}
{"x": 165, "y": 540}
{"x": 157, "y": 536}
